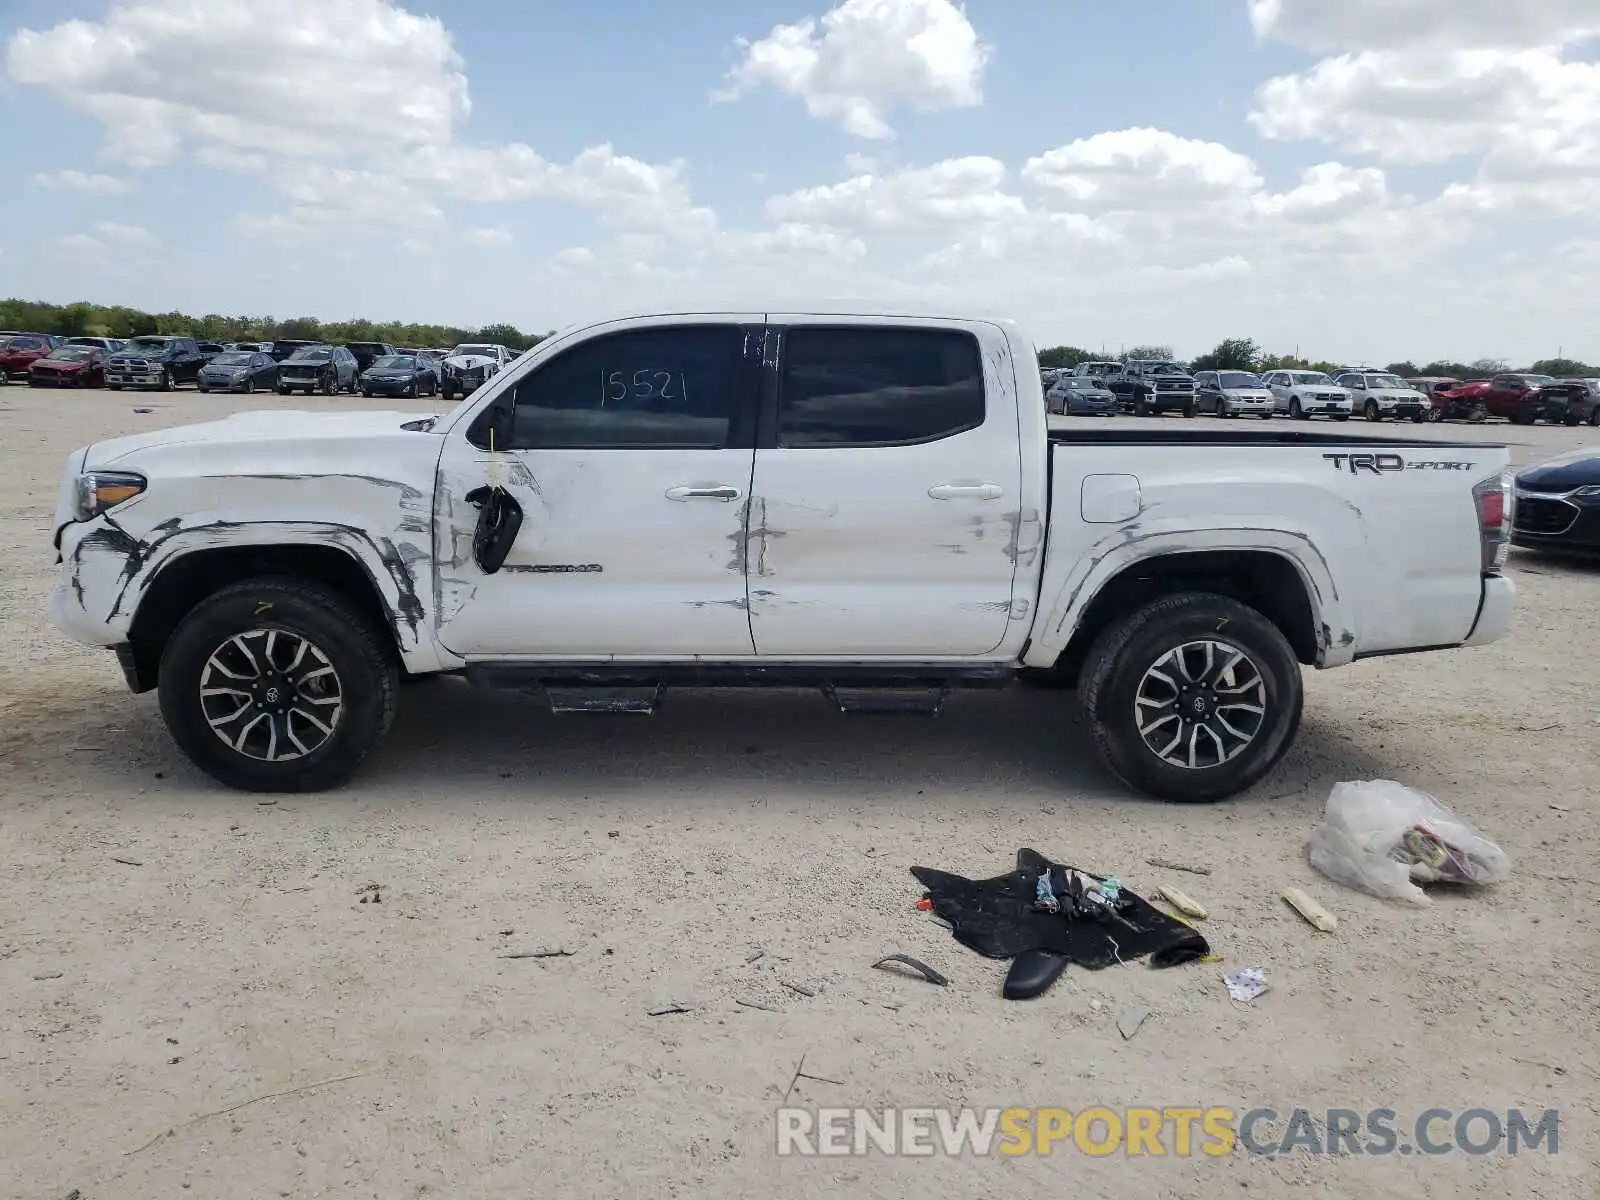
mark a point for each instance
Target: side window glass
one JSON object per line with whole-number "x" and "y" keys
{"x": 670, "y": 388}
{"x": 877, "y": 386}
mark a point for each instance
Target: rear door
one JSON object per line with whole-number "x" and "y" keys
{"x": 885, "y": 502}
{"x": 630, "y": 455}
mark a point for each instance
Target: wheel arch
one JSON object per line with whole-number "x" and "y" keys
{"x": 1268, "y": 578}
{"x": 377, "y": 580}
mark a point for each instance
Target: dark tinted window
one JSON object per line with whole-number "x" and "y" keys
{"x": 878, "y": 387}
{"x": 670, "y": 388}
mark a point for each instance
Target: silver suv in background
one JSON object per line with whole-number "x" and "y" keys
{"x": 1307, "y": 394}
{"x": 1233, "y": 394}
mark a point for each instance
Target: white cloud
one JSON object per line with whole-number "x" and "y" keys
{"x": 295, "y": 77}
{"x": 79, "y": 181}
{"x": 1327, "y": 192}
{"x": 870, "y": 57}
{"x": 1141, "y": 168}
{"x": 1328, "y": 25}
{"x": 348, "y": 107}
{"x": 950, "y": 193}
{"x": 488, "y": 237}
{"x": 111, "y": 237}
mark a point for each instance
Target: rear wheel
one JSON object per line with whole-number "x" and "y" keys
{"x": 274, "y": 685}
{"x": 1194, "y": 697}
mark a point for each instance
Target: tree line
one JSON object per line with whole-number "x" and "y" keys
{"x": 1243, "y": 354}
{"x": 116, "y": 321}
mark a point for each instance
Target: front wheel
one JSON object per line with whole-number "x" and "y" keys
{"x": 1594, "y": 415}
{"x": 1267, "y": 416}
{"x": 275, "y": 685}
{"x": 1190, "y": 410}
{"x": 283, "y": 391}
{"x": 1341, "y": 416}
{"x": 1435, "y": 415}
{"x": 1295, "y": 411}
{"x": 1372, "y": 412}
{"x": 167, "y": 381}
{"x": 1192, "y": 698}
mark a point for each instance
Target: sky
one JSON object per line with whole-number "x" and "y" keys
{"x": 1364, "y": 180}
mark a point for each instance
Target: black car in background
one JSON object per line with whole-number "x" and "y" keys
{"x": 1557, "y": 504}
{"x": 399, "y": 375}
{"x": 318, "y": 368}
{"x": 239, "y": 371}
{"x": 159, "y": 361}
{"x": 368, "y": 353}
{"x": 283, "y": 349}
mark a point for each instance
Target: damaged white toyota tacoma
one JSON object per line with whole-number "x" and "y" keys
{"x": 871, "y": 506}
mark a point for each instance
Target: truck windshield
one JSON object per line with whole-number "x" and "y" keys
{"x": 147, "y": 345}
{"x": 1169, "y": 368}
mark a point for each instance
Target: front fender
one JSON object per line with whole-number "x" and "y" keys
{"x": 109, "y": 570}
{"x": 1119, "y": 551}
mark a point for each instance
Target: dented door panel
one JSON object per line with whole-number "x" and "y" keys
{"x": 893, "y": 550}
{"x": 622, "y": 550}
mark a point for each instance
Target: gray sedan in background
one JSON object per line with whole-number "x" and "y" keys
{"x": 1080, "y": 396}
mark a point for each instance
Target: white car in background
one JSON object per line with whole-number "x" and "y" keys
{"x": 1306, "y": 394}
{"x": 1378, "y": 394}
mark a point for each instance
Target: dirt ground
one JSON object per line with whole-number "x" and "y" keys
{"x": 227, "y": 1019}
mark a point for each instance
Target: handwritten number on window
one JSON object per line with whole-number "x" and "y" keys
{"x": 644, "y": 386}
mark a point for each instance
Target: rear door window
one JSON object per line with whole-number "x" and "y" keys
{"x": 876, "y": 387}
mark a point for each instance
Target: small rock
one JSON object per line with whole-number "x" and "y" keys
{"x": 172, "y": 1062}
{"x": 265, "y": 803}
{"x": 50, "y": 975}
{"x": 613, "y": 833}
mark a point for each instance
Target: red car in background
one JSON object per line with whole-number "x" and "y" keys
{"x": 20, "y": 351}
{"x": 1524, "y": 399}
{"x": 70, "y": 366}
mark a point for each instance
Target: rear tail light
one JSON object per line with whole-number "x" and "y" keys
{"x": 1494, "y": 501}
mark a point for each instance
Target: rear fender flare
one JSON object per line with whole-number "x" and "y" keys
{"x": 1066, "y": 608}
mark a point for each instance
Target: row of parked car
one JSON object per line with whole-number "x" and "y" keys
{"x": 1150, "y": 387}
{"x": 165, "y": 361}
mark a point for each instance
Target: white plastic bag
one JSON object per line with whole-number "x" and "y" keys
{"x": 1383, "y": 838}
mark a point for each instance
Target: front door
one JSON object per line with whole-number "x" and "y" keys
{"x": 885, "y": 505}
{"x": 630, "y": 454}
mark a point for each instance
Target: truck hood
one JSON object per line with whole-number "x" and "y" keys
{"x": 308, "y": 428}
{"x": 469, "y": 362}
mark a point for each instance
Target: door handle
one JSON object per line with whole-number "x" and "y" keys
{"x": 967, "y": 491}
{"x": 720, "y": 492}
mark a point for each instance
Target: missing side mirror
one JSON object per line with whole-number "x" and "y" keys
{"x": 492, "y": 429}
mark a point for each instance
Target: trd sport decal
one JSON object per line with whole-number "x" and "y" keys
{"x": 1383, "y": 464}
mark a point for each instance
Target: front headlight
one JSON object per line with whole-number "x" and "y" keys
{"x": 98, "y": 491}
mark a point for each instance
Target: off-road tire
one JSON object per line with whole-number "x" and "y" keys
{"x": 360, "y": 653}
{"x": 1123, "y": 653}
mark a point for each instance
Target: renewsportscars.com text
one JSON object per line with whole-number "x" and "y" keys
{"x": 1174, "y": 1131}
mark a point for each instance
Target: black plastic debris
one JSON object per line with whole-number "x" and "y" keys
{"x": 1045, "y": 915}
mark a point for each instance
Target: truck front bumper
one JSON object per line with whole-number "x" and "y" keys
{"x": 68, "y": 616}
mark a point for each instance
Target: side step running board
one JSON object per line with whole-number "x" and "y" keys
{"x": 878, "y": 688}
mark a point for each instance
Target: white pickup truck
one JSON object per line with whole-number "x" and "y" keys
{"x": 869, "y": 505}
